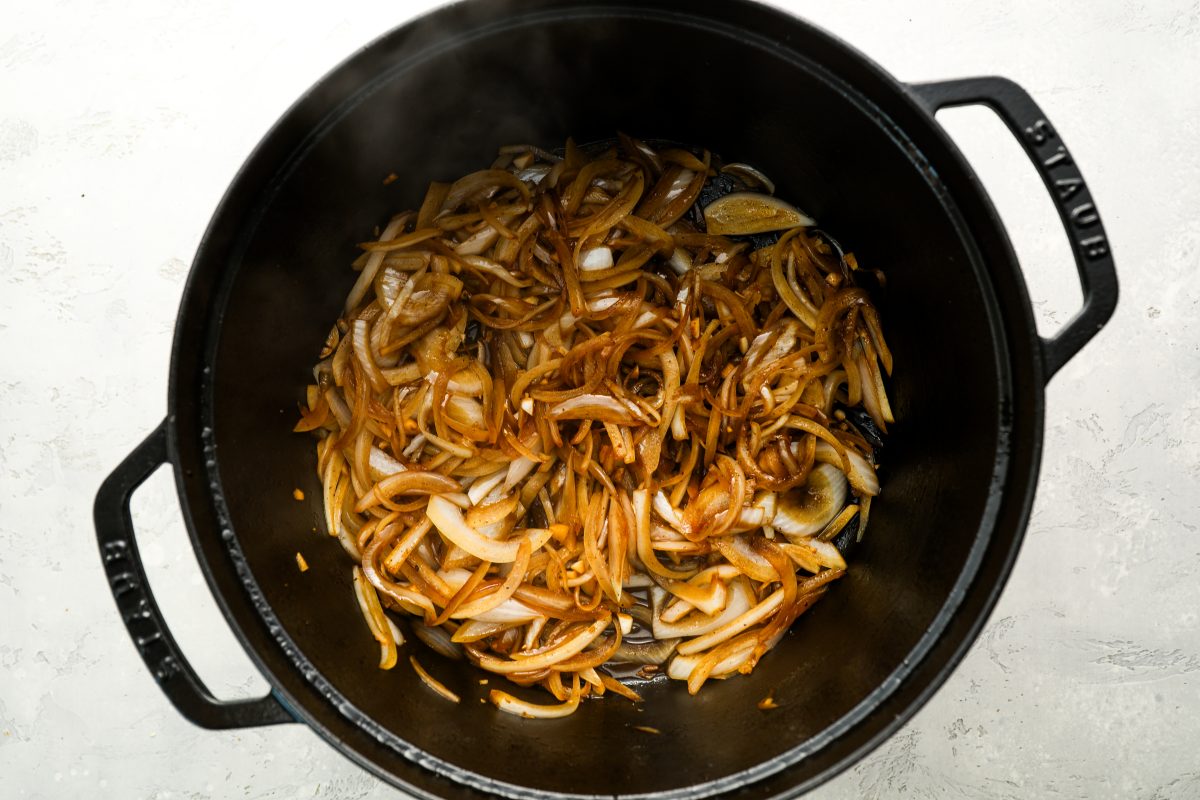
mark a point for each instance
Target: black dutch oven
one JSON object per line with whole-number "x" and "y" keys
{"x": 432, "y": 100}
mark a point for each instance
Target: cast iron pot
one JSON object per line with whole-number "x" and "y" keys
{"x": 433, "y": 100}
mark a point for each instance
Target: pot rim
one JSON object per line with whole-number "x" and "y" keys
{"x": 191, "y": 437}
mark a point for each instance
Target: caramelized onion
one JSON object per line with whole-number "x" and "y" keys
{"x": 576, "y": 393}
{"x": 522, "y": 708}
{"x": 432, "y": 682}
{"x": 448, "y": 519}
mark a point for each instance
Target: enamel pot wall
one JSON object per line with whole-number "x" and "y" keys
{"x": 433, "y": 100}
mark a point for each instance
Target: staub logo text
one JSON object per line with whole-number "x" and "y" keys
{"x": 1070, "y": 190}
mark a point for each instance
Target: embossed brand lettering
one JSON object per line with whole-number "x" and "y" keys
{"x": 1094, "y": 247}
{"x": 145, "y": 641}
{"x": 1084, "y": 216}
{"x": 167, "y": 667}
{"x": 115, "y": 551}
{"x": 1061, "y": 158}
{"x": 124, "y": 583}
{"x": 1039, "y": 132}
{"x": 138, "y": 612}
{"x": 1066, "y": 188}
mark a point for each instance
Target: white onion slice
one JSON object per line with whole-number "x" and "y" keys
{"x": 812, "y": 554}
{"x": 743, "y": 213}
{"x": 522, "y": 708}
{"x": 381, "y": 465}
{"x": 740, "y": 600}
{"x": 862, "y": 475}
{"x": 806, "y": 510}
{"x": 596, "y": 258}
{"x": 733, "y": 627}
{"x": 666, "y": 511}
{"x": 507, "y": 613}
{"x": 681, "y": 667}
{"x": 570, "y": 647}
{"x": 483, "y": 486}
{"x": 520, "y": 467}
{"x": 448, "y": 519}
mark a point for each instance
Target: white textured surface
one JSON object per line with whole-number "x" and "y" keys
{"x": 122, "y": 123}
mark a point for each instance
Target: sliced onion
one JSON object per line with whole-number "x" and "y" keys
{"x": 616, "y": 687}
{"x": 737, "y": 550}
{"x": 679, "y": 184}
{"x": 481, "y": 185}
{"x": 484, "y": 517}
{"x": 752, "y": 518}
{"x": 534, "y": 174}
{"x": 862, "y": 475}
{"x": 566, "y": 339}
{"x": 643, "y": 536}
{"x": 682, "y": 667}
{"x": 750, "y": 175}
{"x": 522, "y": 708}
{"x": 374, "y": 260}
{"x": 667, "y": 512}
{"x": 466, "y": 382}
{"x": 840, "y": 521}
{"x": 731, "y": 628}
{"x": 474, "y": 630}
{"x": 337, "y": 404}
{"x": 438, "y": 639}
{"x": 503, "y": 615}
{"x": 481, "y": 607}
{"x": 483, "y": 486}
{"x": 520, "y": 467}
{"x": 707, "y": 596}
{"x": 495, "y": 269}
{"x": 590, "y": 675}
{"x": 596, "y": 258}
{"x": 874, "y": 397}
{"x": 381, "y": 465}
{"x": 432, "y": 682}
{"x": 449, "y": 520}
{"x": 477, "y": 243}
{"x": 406, "y": 482}
{"x": 362, "y": 352}
{"x": 706, "y": 591}
{"x": 806, "y": 510}
{"x": 466, "y": 410}
{"x": 655, "y": 651}
{"x": 742, "y": 213}
{"x": 425, "y": 304}
{"x": 571, "y": 646}
{"x": 812, "y": 554}
{"x": 602, "y": 304}
{"x": 400, "y": 376}
{"x": 602, "y": 408}
{"x": 769, "y": 347}
{"x": 741, "y": 599}
{"x": 680, "y": 261}
{"x": 380, "y": 625}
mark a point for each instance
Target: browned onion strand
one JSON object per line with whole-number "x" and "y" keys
{"x": 567, "y": 426}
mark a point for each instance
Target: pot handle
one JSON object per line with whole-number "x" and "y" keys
{"x": 1042, "y": 143}
{"x": 130, "y": 588}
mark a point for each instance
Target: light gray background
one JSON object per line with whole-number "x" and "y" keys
{"x": 122, "y": 123}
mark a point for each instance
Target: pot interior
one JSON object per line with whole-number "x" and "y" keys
{"x": 540, "y": 78}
